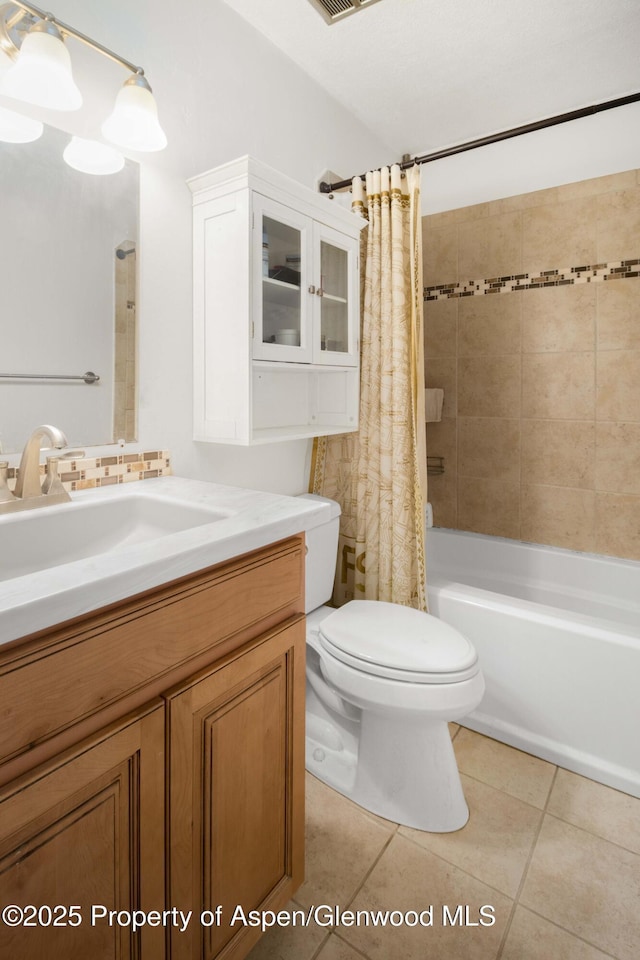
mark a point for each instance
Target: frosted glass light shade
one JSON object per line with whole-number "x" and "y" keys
{"x": 133, "y": 124}
{"x": 15, "y": 128}
{"x": 90, "y": 156}
{"x": 42, "y": 72}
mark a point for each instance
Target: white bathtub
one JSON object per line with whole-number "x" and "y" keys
{"x": 558, "y": 637}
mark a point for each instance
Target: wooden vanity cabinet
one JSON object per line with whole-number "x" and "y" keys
{"x": 82, "y": 831}
{"x": 171, "y": 778}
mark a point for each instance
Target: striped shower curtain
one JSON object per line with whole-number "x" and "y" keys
{"x": 378, "y": 475}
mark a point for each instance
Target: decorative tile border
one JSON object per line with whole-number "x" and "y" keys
{"x": 83, "y": 474}
{"x": 594, "y": 273}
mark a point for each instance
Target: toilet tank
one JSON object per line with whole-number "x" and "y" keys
{"x": 320, "y": 561}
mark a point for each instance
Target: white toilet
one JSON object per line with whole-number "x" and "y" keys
{"x": 383, "y": 681}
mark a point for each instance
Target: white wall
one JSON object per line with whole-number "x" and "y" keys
{"x": 223, "y": 91}
{"x": 594, "y": 146}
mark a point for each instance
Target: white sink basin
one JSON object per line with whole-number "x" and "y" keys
{"x": 39, "y": 539}
{"x": 61, "y": 561}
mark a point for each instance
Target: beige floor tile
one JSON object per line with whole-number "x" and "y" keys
{"x": 408, "y": 878}
{"x": 518, "y": 774}
{"x": 586, "y": 885}
{"x": 532, "y": 938}
{"x": 289, "y": 943}
{"x": 337, "y": 949}
{"x": 598, "y": 809}
{"x": 495, "y": 844}
{"x": 342, "y": 844}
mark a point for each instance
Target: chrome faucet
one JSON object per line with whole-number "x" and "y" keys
{"x": 29, "y": 492}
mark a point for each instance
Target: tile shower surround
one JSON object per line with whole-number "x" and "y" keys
{"x": 541, "y": 421}
{"x": 87, "y": 472}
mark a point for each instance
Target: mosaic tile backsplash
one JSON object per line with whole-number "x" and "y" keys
{"x": 88, "y": 472}
{"x": 594, "y": 273}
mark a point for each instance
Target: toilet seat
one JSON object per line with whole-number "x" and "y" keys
{"x": 391, "y": 641}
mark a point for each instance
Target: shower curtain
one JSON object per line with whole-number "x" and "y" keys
{"x": 378, "y": 475}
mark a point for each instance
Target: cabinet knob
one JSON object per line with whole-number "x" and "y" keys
{"x": 312, "y": 289}
{"x": 320, "y": 292}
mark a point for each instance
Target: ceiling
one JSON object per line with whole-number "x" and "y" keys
{"x": 426, "y": 74}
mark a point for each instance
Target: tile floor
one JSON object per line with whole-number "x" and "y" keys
{"x": 557, "y": 857}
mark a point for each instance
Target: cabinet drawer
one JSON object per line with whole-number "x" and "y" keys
{"x": 140, "y": 647}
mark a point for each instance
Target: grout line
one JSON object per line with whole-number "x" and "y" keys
{"x": 516, "y": 899}
{"x": 373, "y": 865}
{"x": 570, "y": 933}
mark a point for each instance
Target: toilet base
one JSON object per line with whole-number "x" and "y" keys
{"x": 407, "y": 773}
{"x": 404, "y": 772}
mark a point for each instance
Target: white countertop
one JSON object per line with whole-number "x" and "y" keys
{"x": 44, "y": 598}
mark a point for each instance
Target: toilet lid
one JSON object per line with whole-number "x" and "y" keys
{"x": 390, "y": 640}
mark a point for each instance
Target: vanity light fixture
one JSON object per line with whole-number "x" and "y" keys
{"x": 91, "y": 156}
{"x": 41, "y": 74}
{"x": 16, "y": 128}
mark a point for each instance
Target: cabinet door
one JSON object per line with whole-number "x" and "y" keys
{"x": 87, "y": 830}
{"x": 337, "y": 315}
{"x": 281, "y": 247}
{"x": 237, "y": 835}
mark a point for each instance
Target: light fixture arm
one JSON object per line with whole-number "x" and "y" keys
{"x": 72, "y": 32}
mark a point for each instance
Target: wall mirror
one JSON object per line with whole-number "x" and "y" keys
{"x": 68, "y": 250}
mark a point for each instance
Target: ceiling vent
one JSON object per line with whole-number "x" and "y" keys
{"x": 334, "y": 10}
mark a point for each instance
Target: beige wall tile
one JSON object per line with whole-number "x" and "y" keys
{"x": 560, "y": 516}
{"x": 440, "y": 328}
{"x": 489, "y": 386}
{"x": 618, "y": 525}
{"x": 442, "y": 491}
{"x": 558, "y": 452}
{"x": 618, "y": 457}
{"x": 533, "y": 938}
{"x": 562, "y": 235}
{"x": 618, "y": 377}
{"x": 490, "y": 247}
{"x": 556, "y": 319}
{"x": 587, "y": 886}
{"x": 445, "y": 508}
{"x": 439, "y": 253}
{"x": 558, "y": 386}
{"x": 489, "y": 325}
{"x": 441, "y": 373}
{"x": 619, "y": 314}
{"x": 489, "y": 506}
{"x": 590, "y": 188}
{"x": 524, "y": 201}
{"x": 618, "y": 224}
{"x": 442, "y": 441}
{"x": 601, "y": 810}
{"x": 489, "y": 448}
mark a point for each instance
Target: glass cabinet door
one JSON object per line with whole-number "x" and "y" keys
{"x": 337, "y": 297}
{"x": 281, "y": 327}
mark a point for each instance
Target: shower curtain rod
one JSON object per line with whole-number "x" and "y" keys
{"x": 497, "y": 137}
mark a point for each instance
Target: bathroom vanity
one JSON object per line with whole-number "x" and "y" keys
{"x": 152, "y": 748}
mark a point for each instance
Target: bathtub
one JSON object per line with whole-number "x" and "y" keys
{"x": 558, "y": 638}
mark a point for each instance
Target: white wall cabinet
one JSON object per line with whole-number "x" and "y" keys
{"x": 276, "y": 308}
